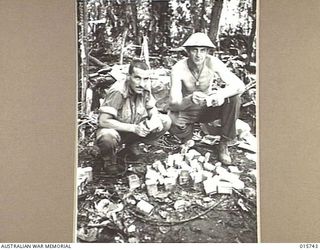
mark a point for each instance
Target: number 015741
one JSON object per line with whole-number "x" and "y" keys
{"x": 309, "y": 245}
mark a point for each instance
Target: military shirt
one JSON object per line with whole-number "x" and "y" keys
{"x": 125, "y": 105}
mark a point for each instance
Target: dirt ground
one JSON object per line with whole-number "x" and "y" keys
{"x": 222, "y": 218}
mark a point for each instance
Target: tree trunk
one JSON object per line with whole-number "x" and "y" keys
{"x": 215, "y": 18}
{"x": 195, "y": 15}
{"x": 123, "y": 44}
{"x": 135, "y": 22}
{"x": 83, "y": 57}
{"x": 252, "y": 32}
{"x": 203, "y": 12}
{"x": 164, "y": 24}
{"x": 161, "y": 9}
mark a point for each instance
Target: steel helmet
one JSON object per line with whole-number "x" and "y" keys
{"x": 198, "y": 40}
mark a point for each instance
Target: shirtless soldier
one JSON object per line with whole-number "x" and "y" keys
{"x": 192, "y": 98}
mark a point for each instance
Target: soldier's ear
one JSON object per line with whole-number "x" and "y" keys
{"x": 185, "y": 51}
{"x": 128, "y": 76}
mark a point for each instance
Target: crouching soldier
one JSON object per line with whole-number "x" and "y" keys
{"x": 192, "y": 98}
{"x": 128, "y": 115}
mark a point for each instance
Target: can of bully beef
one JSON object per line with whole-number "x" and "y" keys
{"x": 134, "y": 181}
{"x": 184, "y": 177}
{"x": 152, "y": 187}
{"x": 145, "y": 207}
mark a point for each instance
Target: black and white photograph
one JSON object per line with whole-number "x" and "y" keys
{"x": 167, "y": 134}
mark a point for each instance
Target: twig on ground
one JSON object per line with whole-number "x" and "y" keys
{"x": 159, "y": 223}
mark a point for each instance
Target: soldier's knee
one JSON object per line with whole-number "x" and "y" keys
{"x": 166, "y": 122}
{"x": 235, "y": 99}
{"x": 107, "y": 137}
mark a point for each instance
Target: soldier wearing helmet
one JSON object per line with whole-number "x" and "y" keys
{"x": 194, "y": 98}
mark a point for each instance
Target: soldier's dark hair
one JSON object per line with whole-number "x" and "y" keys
{"x": 137, "y": 63}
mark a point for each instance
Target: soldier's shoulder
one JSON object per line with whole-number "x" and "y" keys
{"x": 213, "y": 59}
{"x": 214, "y": 63}
{"x": 181, "y": 63}
{"x": 119, "y": 87}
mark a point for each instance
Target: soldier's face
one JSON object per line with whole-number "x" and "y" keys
{"x": 139, "y": 79}
{"x": 198, "y": 54}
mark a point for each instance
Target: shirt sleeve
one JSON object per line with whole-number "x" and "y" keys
{"x": 112, "y": 103}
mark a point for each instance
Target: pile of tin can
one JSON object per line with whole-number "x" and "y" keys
{"x": 189, "y": 168}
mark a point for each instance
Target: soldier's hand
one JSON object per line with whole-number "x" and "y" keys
{"x": 155, "y": 123}
{"x": 215, "y": 100}
{"x": 159, "y": 126}
{"x": 141, "y": 130}
{"x": 115, "y": 135}
{"x": 199, "y": 98}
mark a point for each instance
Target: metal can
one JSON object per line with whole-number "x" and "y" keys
{"x": 145, "y": 207}
{"x": 88, "y": 172}
{"x": 224, "y": 187}
{"x": 197, "y": 177}
{"x": 210, "y": 185}
{"x": 169, "y": 183}
{"x": 152, "y": 187}
{"x": 134, "y": 181}
{"x": 170, "y": 160}
{"x": 184, "y": 177}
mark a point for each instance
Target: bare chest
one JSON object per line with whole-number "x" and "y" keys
{"x": 197, "y": 81}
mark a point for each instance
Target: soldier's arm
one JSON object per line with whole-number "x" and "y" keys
{"x": 234, "y": 85}
{"x": 107, "y": 121}
{"x": 176, "y": 101}
{"x": 108, "y": 113}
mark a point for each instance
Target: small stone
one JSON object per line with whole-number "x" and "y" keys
{"x": 195, "y": 229}
{"x": 102, "y": 204}
{"x": 163, "y": 214}
{"x": 207, "y": 199}
{"x": 167, "y": 200}
{"x": 164, "y": 230}
{"x": 160, "y": 151}
{"x": 131, "y": 229}
{"x": 181, "y": 204}
{"x": 190, "y": 143}
{"x": 131, "y": 201}
{"x": 117, "y": 239}
{"x": 133, "y": 240}
{"x": 147, "y": 237}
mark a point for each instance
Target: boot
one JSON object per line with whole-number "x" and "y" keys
{"x": 135, "y": 149}
{"x": 110, "y": 164}
{"x": 135, "y": 152}
{"x": 224, "y": 154}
